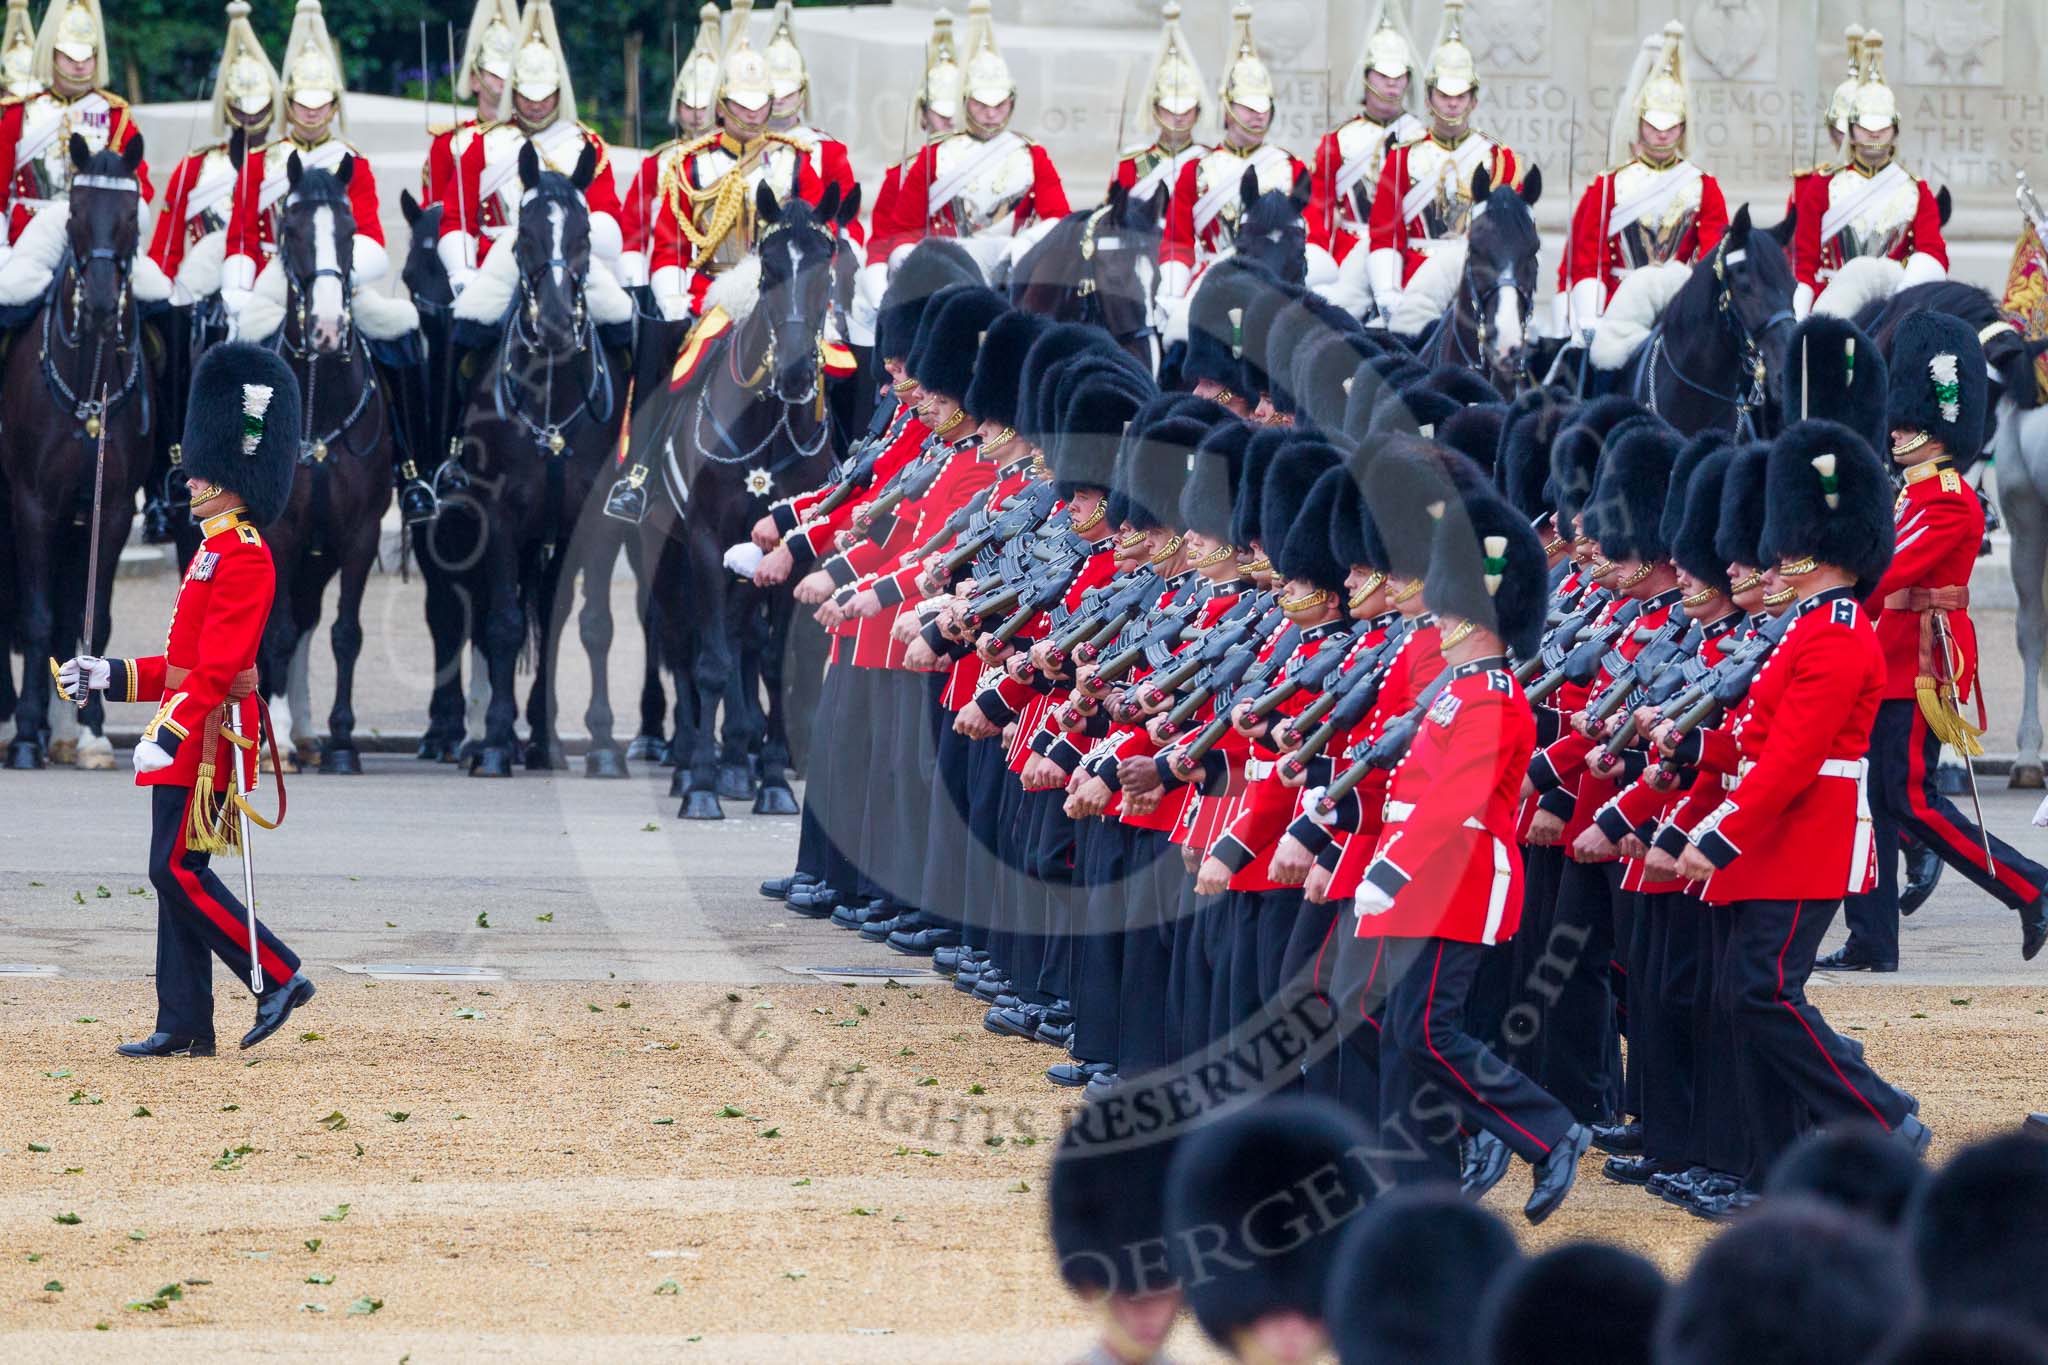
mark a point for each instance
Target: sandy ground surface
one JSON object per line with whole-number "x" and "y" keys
{"x": 821, "y": 1172}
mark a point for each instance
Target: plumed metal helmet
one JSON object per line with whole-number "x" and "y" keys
{"x": 1826, "y": 496}
{"x": 1106, "y": 1205}
{"x": 998, "y": 371}
{"x": 1486, "y": 566}
{"x": 1246, "y": 525}
{"x": 1938, "y": 383}
{"x": 1091, "y": 428}
{"x": 1412, "y": 1269}
{"x": 1210, "y": 495}
{"x": 1536, "y": 1313}
{"x": 953, "y": 345}
{"x": 1978, "y": 1229}
{"x": 1215, "y": 320}
{"x": 1152, "y": 471}
{"x": 1523, "y": 467}
{"x": 1575, "y": 453}
{"x": 1693, "y": 541}
{"x": 1303, "y": 551}
{"x": 1406, "y": 493}
{"x": 1243, "y": 1177}
{"x": 1834, "y": 372}
{"x": 242, "y": 424}
{"x": 930, "y": 266}
{"x": 1737, "y": 538}
{"x": 1626, "y": 512}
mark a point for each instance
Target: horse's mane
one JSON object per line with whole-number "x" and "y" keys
{"x": 2008, "y": 354}
{"x": 1035, "y": 280}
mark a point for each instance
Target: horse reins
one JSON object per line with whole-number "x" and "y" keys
{"x": 1749, "y": 401}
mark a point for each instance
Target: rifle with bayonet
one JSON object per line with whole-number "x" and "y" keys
{"x": 1581, "y": 662}
{"x": 1312, "y": 676}
{"x": 1559, "y": 639}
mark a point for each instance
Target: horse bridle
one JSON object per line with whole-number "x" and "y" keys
{"x": 1751, "y": 399}
{"x": 596, "y": 398}
{"x": 1482, "y": 301}
{"x": 1089, "y": 288}
{"x": 762, "y": 385}
{"x": 90, "y": 412}
{"x": 313, "y": 449}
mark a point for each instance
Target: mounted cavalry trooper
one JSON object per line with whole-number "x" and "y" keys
{"x": 190, "y": 240}
{"x": 1350, "y": 158}
{"x": 1656, "y": 206}
{"x": 1426, "y": 185}
{"x": 935, "y": 114}
{"x": 537, "y": 105}
{"x": 985, "y": 186}
{"x": 1209, "y": 194}
{"x": 693, "y": 110}
{"x": 487, "y": 52}
{"x": 1841, "y": 108}
{"x": 18, "y": 52}
{"x": 1174, "y": 99}
{"x": 1871, "y": 206}
{"x": 706, "y": 187}
{"x": 36, "y": 128}
{"x": 790, "y": 83}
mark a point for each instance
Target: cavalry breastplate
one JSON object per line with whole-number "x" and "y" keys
{"x": 1653, "y": 238}
{"x": 211, "y": 196}
{"x": 988, "y": 197}
{"x": 1448, "y": 171}
{"x": 1222, "y": 170}
{"x": 558, "y": 145}
{"x": 277, "y": 177}
{"x": 717, "y": 209}
{"x": 1880, "y": 222}
{"x": 42, "y": 162}
{"x": 1363, "y": 140}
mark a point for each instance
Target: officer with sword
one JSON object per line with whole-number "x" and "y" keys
{"x": 198, "y": 754}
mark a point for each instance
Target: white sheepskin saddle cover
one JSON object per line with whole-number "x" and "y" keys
{"x": 1864, "y": 280}
{"x": 28, "y": 270}
{"x": 1426, "y": 296}
{"x": 492, "y": 288}
{"x": 199, "y": 272}
{"x": 1639, "y": 300}
{"x": 382, "y": 317}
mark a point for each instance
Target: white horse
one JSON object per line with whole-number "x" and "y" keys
{"x": 2021, "y": 451}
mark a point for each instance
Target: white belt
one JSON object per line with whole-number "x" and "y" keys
{"x": 34, "y": 205}
{"x": 1851, "y": 768}
{"x": 1258, "y": 770}
{"x": 1398, "y": 811}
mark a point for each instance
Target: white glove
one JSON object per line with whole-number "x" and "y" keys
{"x": 150, "y": 757}
{"x": 1383, "y": 273}
{"x": 1371, "y": 901}
{"x": 1802, "y": 301}
{"x": 458, "y": 280}
{"x": 96, "y": 673}
{"x": 671, "y": 292}
{"x": 1312, "y": 802}
{"x": 743, "y": 559}
{"x": 632, "y": 268}
{"x": 2041, "y": 814}
{"x": 1587, "y": 298}
{"x": 234, "y": 300}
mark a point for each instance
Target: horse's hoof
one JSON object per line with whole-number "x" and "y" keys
{"x": 469, "y": 750}
{"x": 64, "y": 752}
{"x": 702, "y": 805}
{"x": 24, "y": 755}
{"x": 671, "y": 757}
{"x": 543, "y": 757}
{"x": 346, "y": 762}
{"x": 96, "y": 754}
{"x": 606, "y": 762}
{"x": 735, "y": 782}
{"x": 306, "y": 750}
{"x": 678, "y": 782}
{"x": 776, "y": 800}
{"x": 435, "y": 749}
{"x": 491, "y": 760}
{"x": 2026, "y": 777}
{"x": 647, "y": 748}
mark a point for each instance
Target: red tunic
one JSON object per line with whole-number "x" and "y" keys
{"x": 252, "y": 223}
{"x": 1845, "y": 213}
{"x": 1637, "y": 215}
{"x": 1940, "y": 529}
{"x": 482, "y": 191}
{"x": 1349, "y": 162}
{"x": 1201, "y": 220}
{"x": 183, "y": 220}
{"x": 1016, "y": 186}
{"x": 1425, "y": 193}
{"x": 40, "y": 171}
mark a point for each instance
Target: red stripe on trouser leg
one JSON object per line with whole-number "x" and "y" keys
{"x": 1798, "y": 909}
{"x": 1365, "y": 993}
{"x": 1969, "y": 849}
{"x": 1429, "y": 1041}
{"x": 233, "y": 923}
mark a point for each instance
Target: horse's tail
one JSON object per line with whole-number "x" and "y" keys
{"x": 2018, "y": 369}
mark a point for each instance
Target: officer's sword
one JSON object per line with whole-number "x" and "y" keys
{"x": 92, "y": 551}
{"x": 236, "y": 794}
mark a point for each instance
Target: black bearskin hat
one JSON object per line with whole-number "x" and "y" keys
{"x": 1690, "y": 456}
{"x": 1461, "y": 385}
{"x": 1417, "y": 409}
{"x": 1486, "y": 566}
{"x": 1090, "y": 430}
{"x": 1797, "y": 1282}
{"x": 1095, "y": 369}
{"x": 1406, "y": 493}
{"x": 1980, "y": 1339}
{"x": 1245, "y": 523}
{"x": 1225, "y": 288}
{"x": 1741, "y": 531}
{"x": 1837, "y": 374}
{"x": 992, "y": 393}
{"x": 952, "y": 341}
{"x": 1321, "y": 366}
{"x": 1860, "y": 1169}
{"x": 1978, "y": 1230}
{"x": 1474, "y": 431}
{"x": 1243, "y": 1177}
{"x": 1106, "y": 1203}
{"x": 1210, "y": 495}
{"x": 1408, "y": 1275}
{"x": 1699, "y": 523}
{"x": 1626, "y": 512}
{"x": 242, "y": 426}
{"x": 1290, "y": 500}
{"x": 1939, "y": 384}
{"x": 1538, "y": 1312}
{"x": 1826, "y": 495}
{"x": 1054, "y": 346}
{"x": 1152, "y": 471}
{"x": 1261, "y": 311}
{"x": 927, "y": 321}
{"x": 1575, "y": 454}
{"x": 1352, "y": 535}
{"x": 1523, "y": 467}
{"x": 931, "y": 265}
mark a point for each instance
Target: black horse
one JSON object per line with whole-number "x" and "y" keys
{"x": 1716, "y": 358}
{"x": 1099, "y": 266}
{"x": 2007, "y": 352}
{"x": 542, "y": 420}
{"x": 1272, "y": 227}
{"x": 1485, "y": 327}
{"x": 342, "y": 486}
{"x": 745, "y": 425}
{"x": 75, "y": 376}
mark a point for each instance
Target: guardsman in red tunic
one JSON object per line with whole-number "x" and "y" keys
{"x": 985, "y": 185}
{"x": 935, "y": 113}
{"x": 1871, "y": 206}
{"x": 789, "y": 81}
{"x": 1937, "y": 411}
{"x": 1173, "y": 97}
{"x": 1792, "y": 834}
{"x": 1444, "y": 884}
{"x": 693, "y": 109}
{"x": 1656, "y": 207}
{"x": 198, "y": 755}
{"x": 1350, "y": 156}
{"x": 36, "y": 127}
{"x": 1209, "y": 194}
{"x": 492, "y": 38}
{"x": 1425, "y": 192}
{"x": 538, "y": 106}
